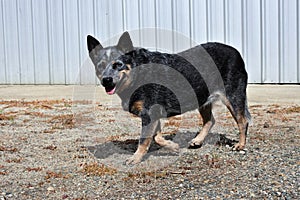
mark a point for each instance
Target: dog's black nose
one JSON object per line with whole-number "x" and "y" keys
{"x": 107, "y": 81}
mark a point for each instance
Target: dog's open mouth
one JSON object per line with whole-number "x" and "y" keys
{"x": 113, "y": 87}
{"x": 110, "y": 90}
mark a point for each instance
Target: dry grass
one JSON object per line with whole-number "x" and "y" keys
{"x": 62, "y": 121}
{"x": 7, "y": 117}
{"x": 9, "y": 149}
{"x": 34, "y": 169}
{"x": 51, "y": 174}
{"x": 44, "y": 104}
{"x": 294, "y": 109}
{"x": 50, "y": 147}
{"x": 95, "y": 169}
{"x": 14, "y": 160}
{"x": 276, "y": 109}
{"x": 146, "y": 176}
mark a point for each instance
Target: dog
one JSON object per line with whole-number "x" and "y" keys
{"x": 101, "y": 56}
{"x": 155, "y": 85}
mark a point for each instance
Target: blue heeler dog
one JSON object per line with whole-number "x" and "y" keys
{"x": 155, "y": 85}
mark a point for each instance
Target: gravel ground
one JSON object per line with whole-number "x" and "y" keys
{"x": 58, "y": 149}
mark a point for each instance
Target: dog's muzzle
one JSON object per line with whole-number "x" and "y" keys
{"x": 109, "y": 85}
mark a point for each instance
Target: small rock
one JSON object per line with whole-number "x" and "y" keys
{"x": 278, "y": 194}
{"x": 50, "y": 189}
{"x": 9, "y": 195}
{"x": 243, "y": 152}
{"x": 266, "y": 125}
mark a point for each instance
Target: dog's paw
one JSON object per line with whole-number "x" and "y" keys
{"x": 194, "y": 144}
{"x": 238, "y": 147}
{"x": 134, "y": 159}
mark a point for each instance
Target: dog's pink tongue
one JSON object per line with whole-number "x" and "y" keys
{"x": 111, "y": 91}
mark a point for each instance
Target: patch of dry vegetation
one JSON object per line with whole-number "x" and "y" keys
{"x": 95, "y": 169}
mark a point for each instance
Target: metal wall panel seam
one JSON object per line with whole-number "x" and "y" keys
{"x": 94, "y": 30}
{"x": 190, "y": 22}
{"x": 298, "y": 42}
{"x": 64, "y": 40}
{"x": 123, "y": 15}
{"x": 79, "y": 40}
{"x": 139, "y": 21}
{"x": 155, "y": 24}
{"x": 281, "y": 38}
{"x": 94, "y": 18}
{"x": 225, "y": 19}
{"x": 263, "y": 40}
{"x": 33, "y": 43}
{"x": 19, "y": 52}
{"x": 109, "y": 33}
{"x": 173, "y": 27}
{"x": 209, "y": 11}
{"x": 48, "y": 41}
{"x": 207, "y": 19}
{"x": 4, "y": 49}
{"x": 244, "y": 28}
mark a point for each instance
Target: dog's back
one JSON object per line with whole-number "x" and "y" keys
{"x": 226, "y": 61}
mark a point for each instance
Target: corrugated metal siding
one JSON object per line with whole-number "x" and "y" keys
{"x": 44, "y": 41}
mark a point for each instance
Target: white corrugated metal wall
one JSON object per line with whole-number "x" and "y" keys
{"x": 44, "y": 41}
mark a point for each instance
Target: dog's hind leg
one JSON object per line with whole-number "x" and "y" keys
{"x": 208, "y": 122}
{"x": 243, "y": 128}
{"x": 159, "y": 139}
{"x": 241, "y": 115}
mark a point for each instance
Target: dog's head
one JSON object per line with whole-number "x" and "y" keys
{"x": 101, "y": 56}
{"x": 118, "y": 74}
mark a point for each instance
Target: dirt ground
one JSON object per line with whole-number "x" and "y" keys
{"x": 76, "y": 148}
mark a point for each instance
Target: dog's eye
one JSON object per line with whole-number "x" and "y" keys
{"x": 118, "y": 66}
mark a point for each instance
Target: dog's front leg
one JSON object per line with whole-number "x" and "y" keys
{"x": 149, "y": 128}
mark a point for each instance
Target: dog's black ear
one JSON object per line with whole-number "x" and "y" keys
{"x": 92, "y": 43}
{"x": 125, "y": 43}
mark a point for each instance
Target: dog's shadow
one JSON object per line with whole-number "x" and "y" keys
{"x": 104, "y": 150}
